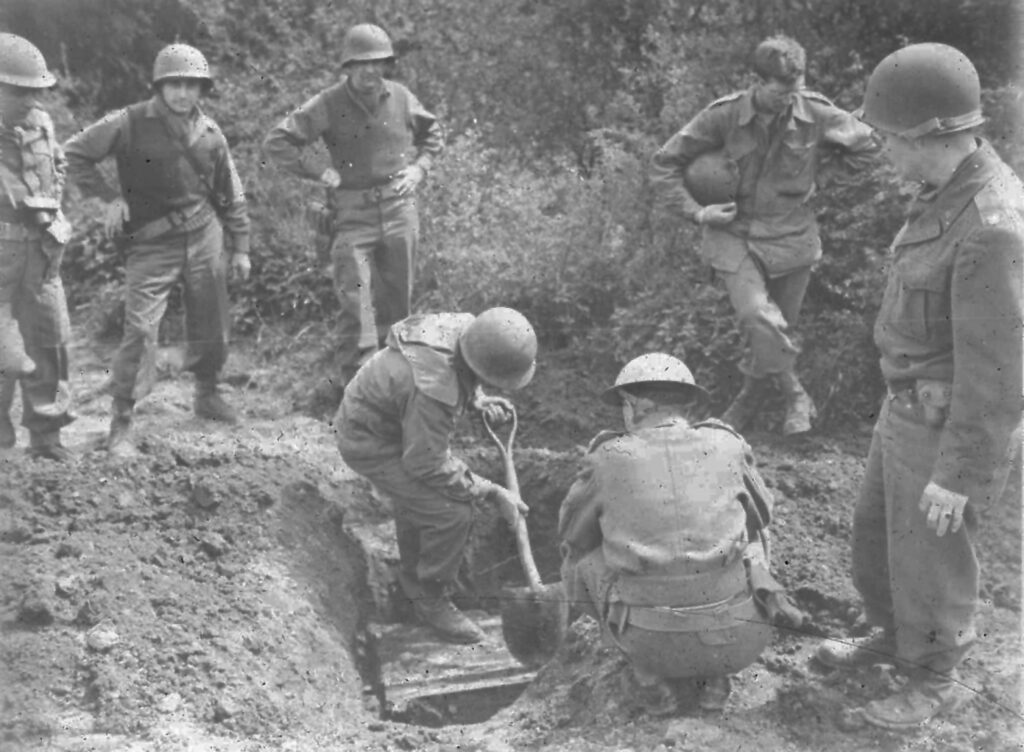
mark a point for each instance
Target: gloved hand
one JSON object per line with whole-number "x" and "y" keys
{"x": 115, "y": 217}
{"x": 781, "y": 611}
{"x": 716, "y": 215}
{"x": 945, "y": 509}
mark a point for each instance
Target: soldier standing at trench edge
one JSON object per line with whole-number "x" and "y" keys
{"x": 382, "y": 143}
{"x": 947, "y": 439}
{"x": 179, "y": 196}
{"x": 34, "y": 327}
{"x": 765, "y": 243}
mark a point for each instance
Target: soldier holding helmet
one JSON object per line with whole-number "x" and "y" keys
{"x": 950, "y": 336}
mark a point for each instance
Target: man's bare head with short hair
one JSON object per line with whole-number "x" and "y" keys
{"x": 781, "y": 58}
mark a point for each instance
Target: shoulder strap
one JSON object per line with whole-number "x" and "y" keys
{"x": 193, "y": 162}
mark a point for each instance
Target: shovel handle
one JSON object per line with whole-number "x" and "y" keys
{"x": 512, "y": 484}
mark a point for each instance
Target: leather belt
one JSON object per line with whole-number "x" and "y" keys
{"x": 194, "y": 216}
{"x": 370, "y": 195}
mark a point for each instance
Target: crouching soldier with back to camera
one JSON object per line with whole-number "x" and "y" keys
{"x": 664, "y": 541}
{"x": 34, "y": 327}
{"x": 395, "y": 425}
{"x": 947, "y": 440}
{"x": 179, "y": 195}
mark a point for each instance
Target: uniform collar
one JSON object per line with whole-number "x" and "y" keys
{"x": 385, "y": 92}
{"x": 798, "y": 109}
{"x": 970, "y": 176}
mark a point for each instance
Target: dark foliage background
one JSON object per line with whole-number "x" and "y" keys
{"x": 552, "y": 110}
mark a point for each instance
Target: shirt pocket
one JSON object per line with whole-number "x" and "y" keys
{"x": 920, "y": 309}
{"x": 796, "y": 165}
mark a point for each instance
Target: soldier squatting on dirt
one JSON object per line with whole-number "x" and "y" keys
{"x": 395, "y": 426}
{"x": 665, "y": 540}
{"x": 382, "y": 143}
{"x": 34, "y": 327}
{"x": 950, "y": 336}
{"x": 179, "y": 195}
{"x": 776, "y": 137}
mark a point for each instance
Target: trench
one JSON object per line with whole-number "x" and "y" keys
{"x": 412, "y": 677}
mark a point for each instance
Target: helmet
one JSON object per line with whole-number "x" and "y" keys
{"x": 923, "y": 89}
{"x": 181, "y": 61}
{"x": 500, "y": 347}
{"x": 365, "y": 42}
{"x": 712, "y": 178}
{"x": 653, "y": 368}
{"x": 22, "y": 64}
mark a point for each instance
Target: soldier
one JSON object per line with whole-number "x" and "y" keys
{"x": 759, "y": 234}
{"x": 395, "y": 426}
{"x": 180, "y": 194}
{"x": 665, "y": 540}
{"x": 382, "y": 143}
{"x": 34, "y": 328}
{"x": 949, "y": 333}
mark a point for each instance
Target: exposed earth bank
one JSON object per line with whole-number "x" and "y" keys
{"x": 218, "y": 592}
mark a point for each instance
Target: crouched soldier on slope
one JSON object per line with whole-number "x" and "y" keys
{"x": 665, "y": 541}
{"x": 34, "y": 328}
{"x": 395, "y": 426}
{"x": 179, "y": 195}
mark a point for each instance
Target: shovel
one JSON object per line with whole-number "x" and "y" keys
{"x": 534, "y": 619}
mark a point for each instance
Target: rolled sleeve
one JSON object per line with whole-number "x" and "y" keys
{"x": 668, "y": 166}
{"x": 428, "y": 137}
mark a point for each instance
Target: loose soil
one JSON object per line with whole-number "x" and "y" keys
{"x": 219, "y": 591}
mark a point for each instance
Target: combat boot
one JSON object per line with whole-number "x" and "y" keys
{"x": 879, "y": 647}
{"x": 800, "y": 409}
{"x": 14, "y": 361}
{"x": 47, "y": 446}
{"x": 435, "y": 609}
{"x": 119, "y": 441}
{"x": 210, "y": 405}
{"x": 7, "y": 433}
{"x": 747, "y": 403}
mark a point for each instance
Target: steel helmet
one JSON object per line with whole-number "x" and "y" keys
{"x": 366, "y": 42}
{"x": 923, "y": 89}
{"x": 22, "y": 64}
{"x": 653, "y": 368}
{"x": 712, "y": 178}
{"x": 500, "y": 347}
{"x": 181, "y": 61}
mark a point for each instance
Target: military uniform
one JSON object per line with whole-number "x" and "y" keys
{"x": 376, "y": 231}
{"x": 33, "y": 232}
{"x": 395, "y": 426}
{"x": 765, "y": 255}
{"x": 659, "y": 531}
{"x": 176, "y": 229}
{"x": 950, "y": 335}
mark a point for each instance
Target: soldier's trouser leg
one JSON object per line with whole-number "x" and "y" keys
{"x": 933, "y": 581}
{"x": 151, "y": 269}
{"x": 42, "y": 314}
{"x": 394, "y": 262}
{"x": 765, "y": 309}
{"x": 14, "y": 251}
{"x": 207, "y": 307}
{"x": 432, "y": 529}
{"x": 871, "y": 542}
{"x": 352, "y": 255}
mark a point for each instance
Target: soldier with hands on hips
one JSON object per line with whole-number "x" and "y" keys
{"x": 381, "y": 143}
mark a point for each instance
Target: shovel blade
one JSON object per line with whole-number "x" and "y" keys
{"x": 534, "y": 622}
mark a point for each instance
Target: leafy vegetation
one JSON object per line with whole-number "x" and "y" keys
{"x": 552, "y": 111}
